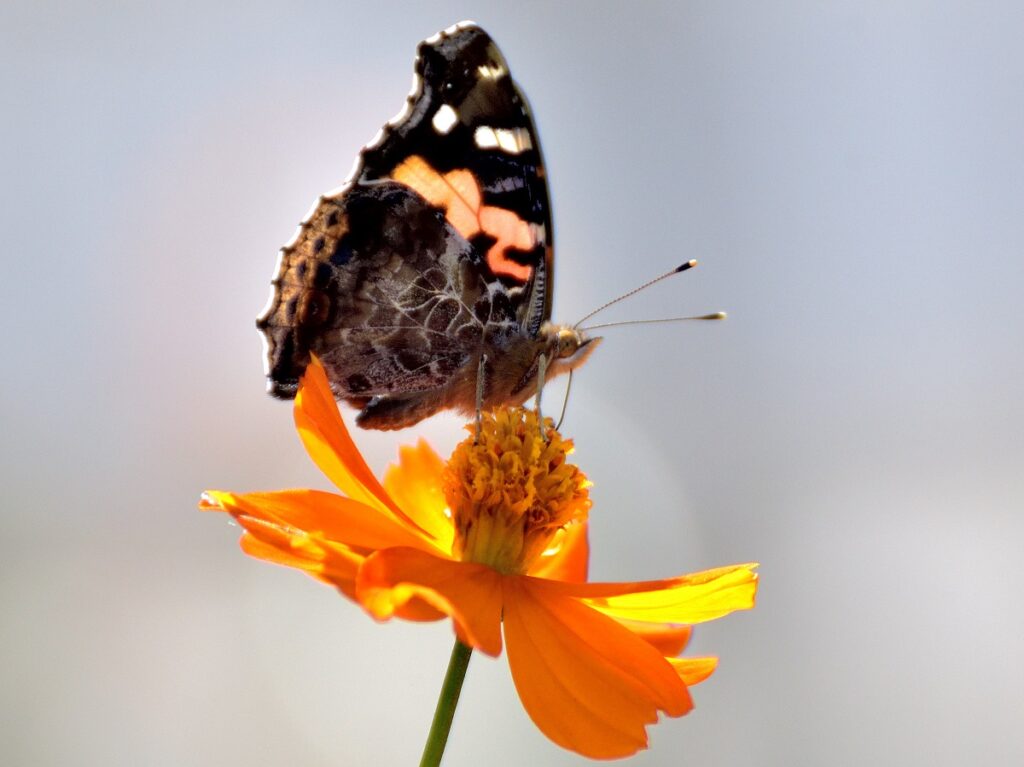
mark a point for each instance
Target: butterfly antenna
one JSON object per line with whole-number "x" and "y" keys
{"x": 713, "y": 316}
{"x": 681, "y": 268}
{"x": 565, "y": 402}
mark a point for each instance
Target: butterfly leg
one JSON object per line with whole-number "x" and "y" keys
{"x": 481, "y": 371}
{"x": 542, "y": 366}
{"x": 565, "y": 402}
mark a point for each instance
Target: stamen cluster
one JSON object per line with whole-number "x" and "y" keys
{"x": 510, "y": 490}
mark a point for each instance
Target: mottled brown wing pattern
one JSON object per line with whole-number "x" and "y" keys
{"x": 385, "y": 292}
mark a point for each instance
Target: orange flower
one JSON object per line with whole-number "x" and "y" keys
{"x": 495, "y": 539}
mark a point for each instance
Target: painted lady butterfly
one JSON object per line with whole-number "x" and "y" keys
{"x": 436, "y": 252}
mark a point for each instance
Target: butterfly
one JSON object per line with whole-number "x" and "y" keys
{"x": 431, "y": 268}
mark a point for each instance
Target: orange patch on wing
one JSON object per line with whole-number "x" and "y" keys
{"x": 458, "y": 193}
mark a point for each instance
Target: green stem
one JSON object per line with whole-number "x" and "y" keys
{"x": 446, "y": 703}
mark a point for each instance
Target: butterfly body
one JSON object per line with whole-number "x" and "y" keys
{"x": 436, "y": 254}
{"x": 510, "y": 377}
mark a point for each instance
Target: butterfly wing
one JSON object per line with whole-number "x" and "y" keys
{"x": 438, "y": 247}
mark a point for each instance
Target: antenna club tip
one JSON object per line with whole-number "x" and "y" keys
{"x": 720, "y": 315}
{"x": 688, "y": 265}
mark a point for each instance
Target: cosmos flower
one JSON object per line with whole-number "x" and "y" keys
{"x": 495, "y": 539}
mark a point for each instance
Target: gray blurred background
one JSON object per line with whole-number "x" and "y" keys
{"x": 851, "y": 177}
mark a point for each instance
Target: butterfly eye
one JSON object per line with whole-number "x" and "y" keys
{"x": 567, "y": 344}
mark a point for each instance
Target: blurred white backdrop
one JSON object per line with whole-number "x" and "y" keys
{"x": 851, "y": 176}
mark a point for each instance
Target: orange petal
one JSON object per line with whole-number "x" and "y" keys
{"x": 468, "y": 592}
{"x": 329, "y": 563}
{"x": 273, "y": 535}
{"x": 279, "y": 553}
{"x": 693, "y": 670}
{"x": 587, "y": 682}
{"x": 420, "y": 611}
{"x": 415, "y": 485}
{"x": 329, "y": 445}
{"x": 321, "y": 514}
{"x": 334, "y": 565}
{"x": 570, "y": 560}
{"x": 666, "y": 639}
{"x": 693, "y": 598}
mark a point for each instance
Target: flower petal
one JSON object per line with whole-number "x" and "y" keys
{"x": 329, "y": 445}
{"x": 414, "y": 483}
{"x": 667, "y": 639}
{"x": 333, "y": 564}
{"x": 272, "y": 539}
{"x": 279, "y": 553}
{"x": 693, "y": 670}
{"x": 468, "y": 592}
{"x": 570, "y": 560}
{"x": 587, "y": 682}
{"x": 326, "y": 515}
{"x": 693, "y": 598}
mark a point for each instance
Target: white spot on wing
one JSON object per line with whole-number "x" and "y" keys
{"x": 485, "y": 138}
{"x": 514, "y": 140}
{"x": 488, "y": 72}
{"x": 508, "y": 140}
{"x": 444, "y": 119}
{"x": 538, "y": 232}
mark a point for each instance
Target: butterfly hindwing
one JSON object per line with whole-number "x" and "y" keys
{"x": 382, "y": 289}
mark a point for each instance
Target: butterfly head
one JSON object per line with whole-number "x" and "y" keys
{"x": 566, "y": 347}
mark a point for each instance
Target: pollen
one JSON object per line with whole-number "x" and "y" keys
{"x": 511, "y": 490}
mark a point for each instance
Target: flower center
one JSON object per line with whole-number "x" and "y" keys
{"x": 511, "y": 490}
